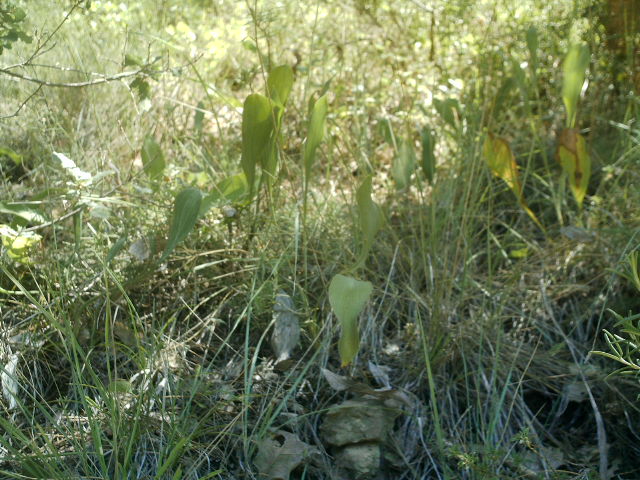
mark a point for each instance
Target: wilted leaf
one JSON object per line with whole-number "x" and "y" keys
{"x": 348, "y": 297}
{"x": 152, "y": 158}
{"x": 339, "y": 383}
{"x": 403, "y": 165}
{"x": 18, "y": 243}
{"x": 279, "y": 455}
{"x": 80, "y": 176}
{"x": 10, "y": 382}
{"x": 502, "y": 163}
{"x": 279, "y": 83}
{"x": 574, "y": 70}
{"x": 286, "y": 329}
{"x": 380, "y": 373}
{"x": 140, "y": 250}
{"x": 575, "y": 162}
{"x": 428, "y": 155}
{"x": 577, "y": 234}
{"x": 257, "y": 130}
{"x": 20, "y": 210}
{"x": 315, "y": 135}
{"x": 369, "y": 218}
{"x": 185, "y": 214}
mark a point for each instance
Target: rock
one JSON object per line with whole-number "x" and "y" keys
{"x": 357, "y": 421}
{"x": 360, "y": 462}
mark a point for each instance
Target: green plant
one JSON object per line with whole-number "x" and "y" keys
{"x": 11, "y": 20}
{"x": 625, "y": 348}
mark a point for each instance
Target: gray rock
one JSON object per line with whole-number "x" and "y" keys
{"x": 356, "y": 421}
{"x": 360, "y": 462}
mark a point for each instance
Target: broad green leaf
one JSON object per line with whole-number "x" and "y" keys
{"x": 532, "y": 46}
{"x": 315, "y": 135}
{"x": 348, "y": 297}
{"x": 575, "y": 162}
{"x": 173, "y": 457}
{"x": 198, "y": 119}
{"x": 152, "y": 158}
{"x": 574, "y": 70}
{"x": 502, "y": 163}
{"x": 270, "y": 163}
{"x": 447, "y": 109}
{"x": 185, "y": 214}
{"x": 428, "y": 154}
{"x": 230, "y": 190}
{"x": 257, "y": 130}
{"x": 521, "y": 81}
{"x": 369, "y": 218}
{"x": 142, "y": 87}
{"x": 403, "y": 165}
{"x": 115, "y": 249}
{"x": 132, "y": 60}
{"x": 7, "y": 152}
{"x": 279, "y": 83}
{"x": 386, "y": 130}
{"x": 503, "y": 94}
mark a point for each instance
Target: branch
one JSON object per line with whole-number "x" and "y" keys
{"x": 89, "y": 83}
{"x": 15, "y": 114}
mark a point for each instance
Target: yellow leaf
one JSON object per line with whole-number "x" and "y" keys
{"x": 502, "y": 163}
{"x": 575, "y": 162}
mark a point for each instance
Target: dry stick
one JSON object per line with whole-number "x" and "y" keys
{"x": 602, "y": 434}
{"x": 89, "y": 83}
{"x": 26, "y": 100}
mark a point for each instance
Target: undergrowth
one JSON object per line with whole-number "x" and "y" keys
{"x": 126, "y": 356}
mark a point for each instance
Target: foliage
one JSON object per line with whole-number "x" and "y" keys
{"x": 626, "y": 349}
{"x": 348, "y": 297}
{"x": 11, "y": 26}
{"x": 337, "y": 156}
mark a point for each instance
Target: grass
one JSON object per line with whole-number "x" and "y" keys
{"x": 483, "y": 322}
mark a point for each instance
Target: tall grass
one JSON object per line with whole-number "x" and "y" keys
{"x": 135, "y": 364}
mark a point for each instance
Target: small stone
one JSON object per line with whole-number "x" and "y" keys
{"x": 361, "y": 461}
{"x": 356, "y": 421}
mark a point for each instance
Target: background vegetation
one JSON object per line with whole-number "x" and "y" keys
{"x": 332, "y": 239}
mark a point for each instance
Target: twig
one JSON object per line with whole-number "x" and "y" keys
{"x": 89, "y": 83}
{"x": 53, "y": 222}
{"x": 40, "y": 46}
{"x": 15, "y": 114}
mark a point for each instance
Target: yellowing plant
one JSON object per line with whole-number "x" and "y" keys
{"x": 502, "y": 163}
